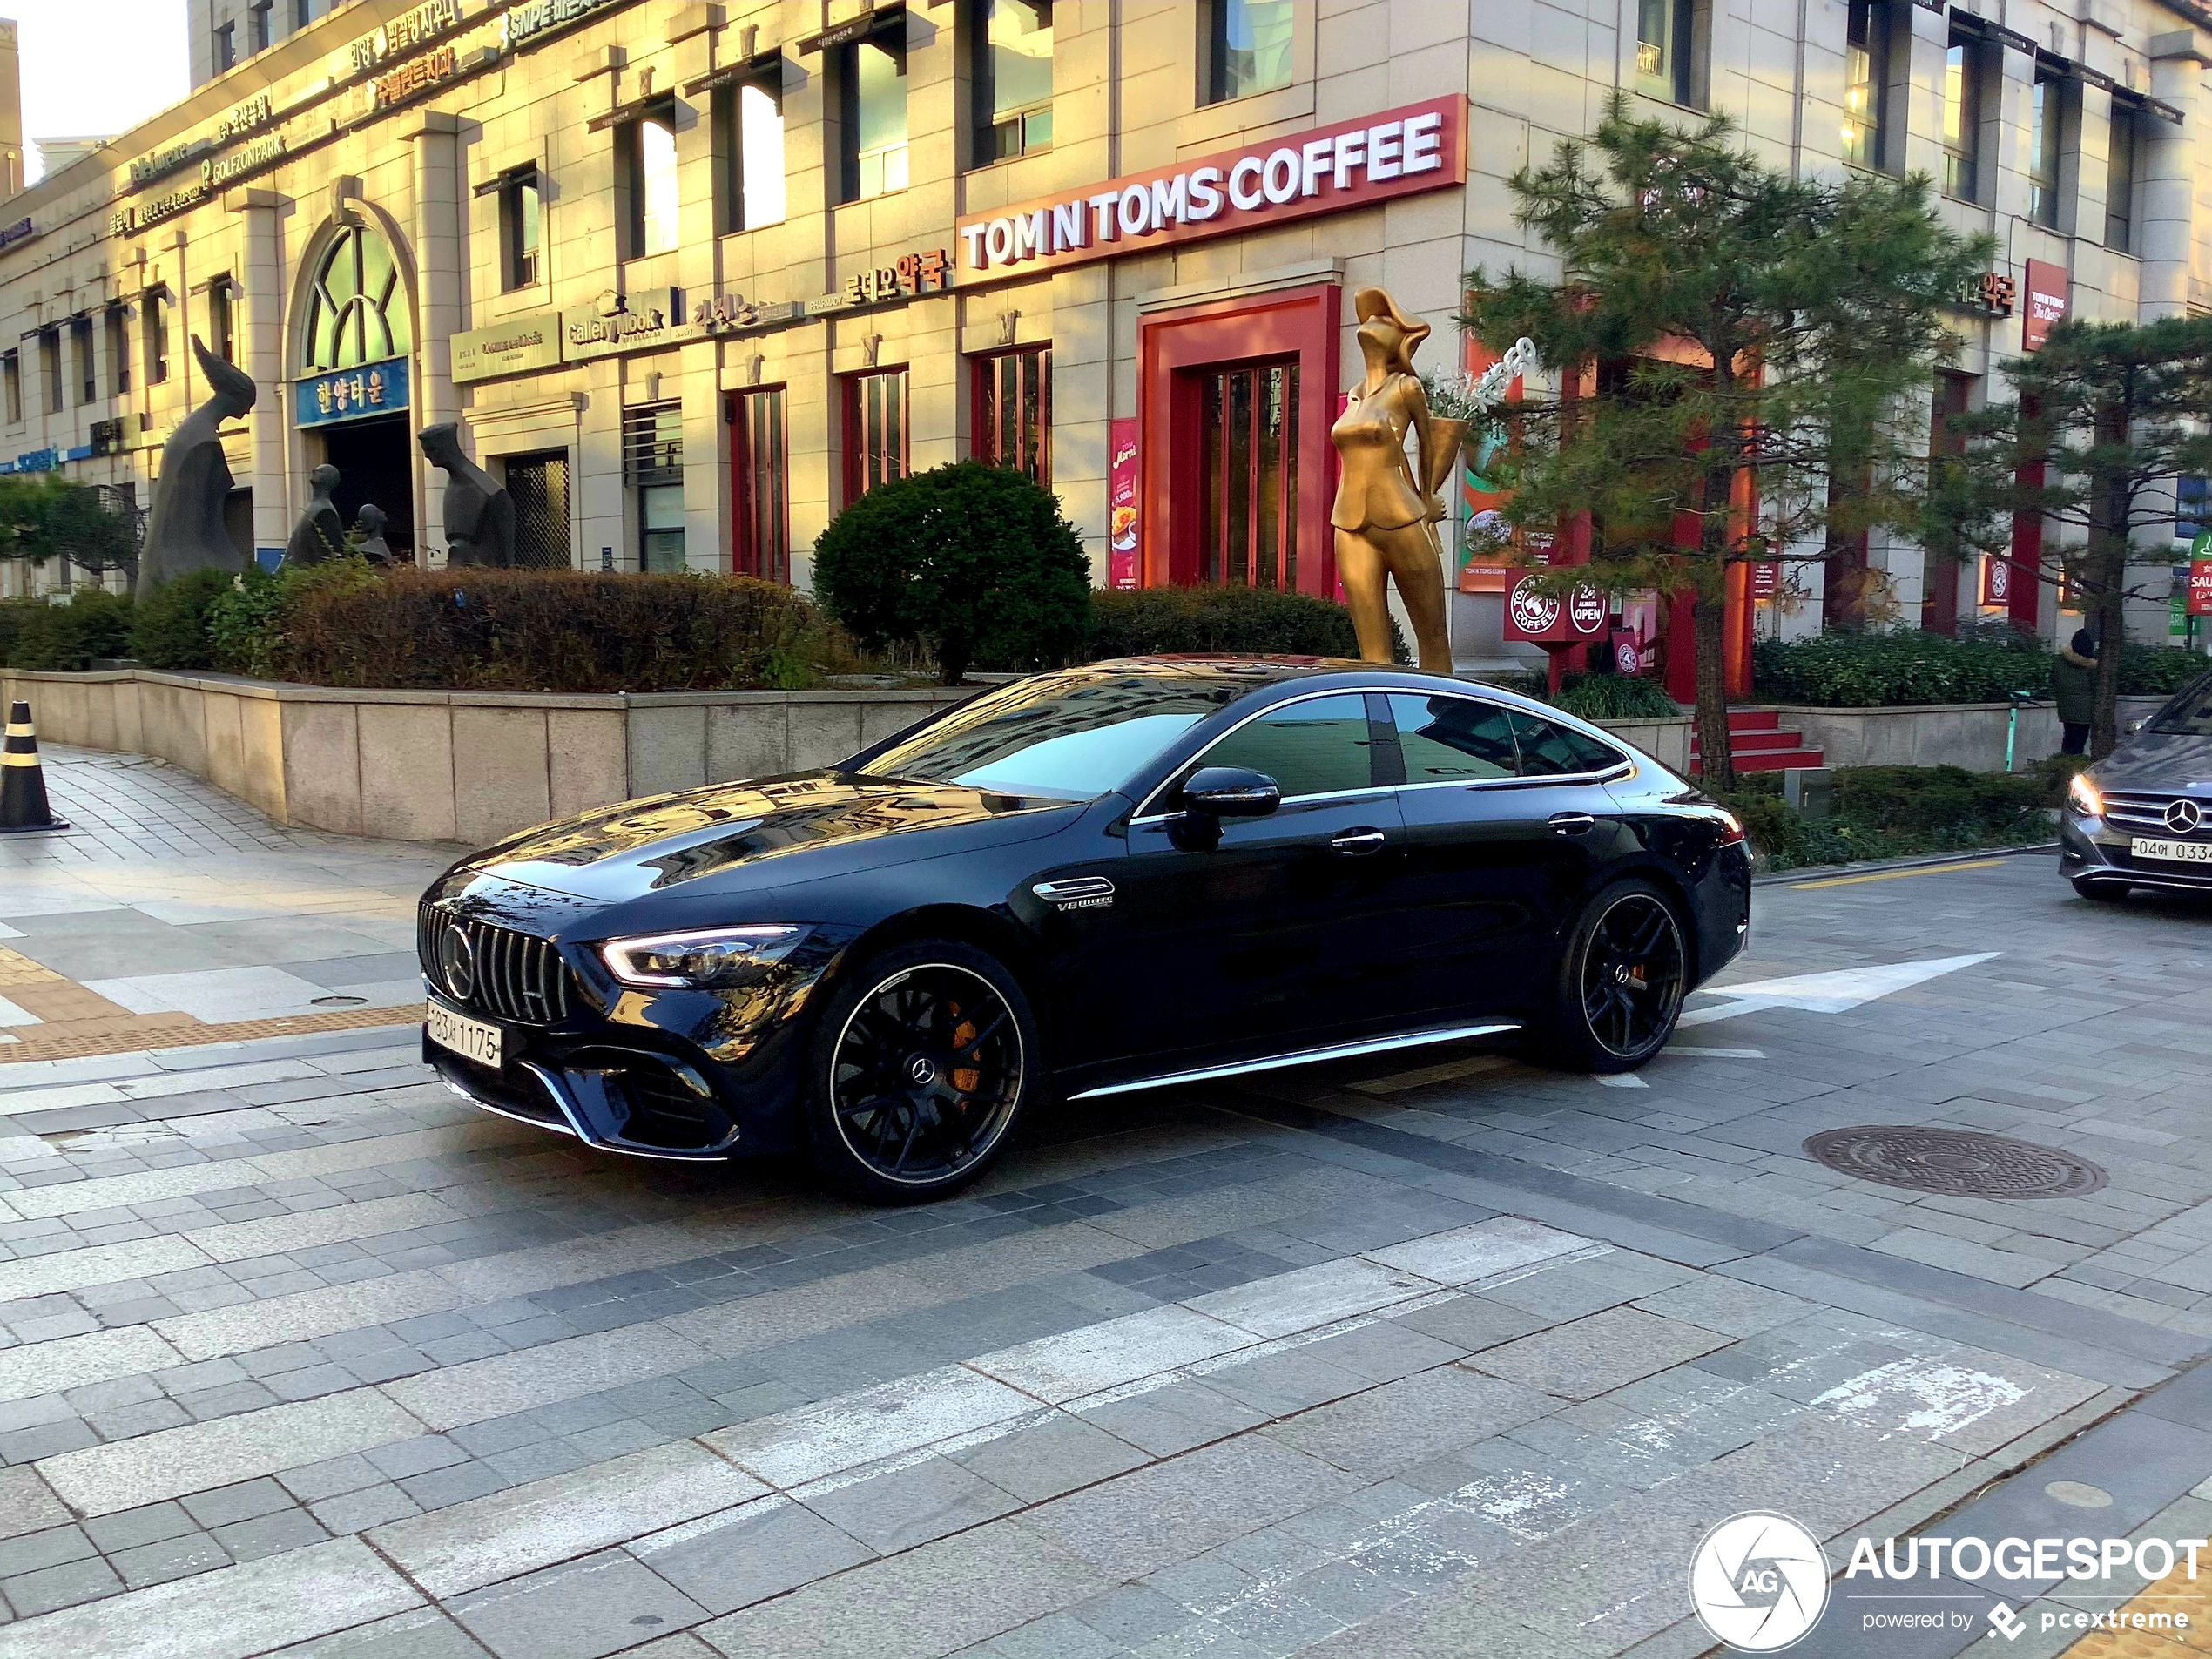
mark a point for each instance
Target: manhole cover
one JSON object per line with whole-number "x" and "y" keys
{"x": 1955, "y": 1162}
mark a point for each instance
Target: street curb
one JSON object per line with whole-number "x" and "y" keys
{"x": 1825, "y": 871}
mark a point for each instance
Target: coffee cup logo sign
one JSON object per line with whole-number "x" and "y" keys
{"x": 1587, "y": 610}
{"x": 1996, "y": 581}
{"x": 1534, "y": 613}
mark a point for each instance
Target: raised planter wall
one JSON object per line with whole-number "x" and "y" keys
{"x": 1942, "y": 734}
{"x": 472, "y": 767}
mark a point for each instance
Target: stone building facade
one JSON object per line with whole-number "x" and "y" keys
{"x": 695, "y": 274}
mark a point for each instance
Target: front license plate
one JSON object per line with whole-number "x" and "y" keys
{"x": 476, "y": 1040}
{"x": 2147, "y": 847}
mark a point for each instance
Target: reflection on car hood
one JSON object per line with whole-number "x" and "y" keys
{"x": 643, "y": 847}
{"x": 2158, "y": 760}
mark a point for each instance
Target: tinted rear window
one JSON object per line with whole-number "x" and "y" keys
{"x": 2190, "y": 715}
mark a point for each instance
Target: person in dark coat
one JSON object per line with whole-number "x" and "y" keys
{"x": 2073, "y": 688}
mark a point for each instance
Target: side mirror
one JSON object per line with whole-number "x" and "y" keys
{"x": 2134, "y": 726}
{"x": 1231, "y": 791}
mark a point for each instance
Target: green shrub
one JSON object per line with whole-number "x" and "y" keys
{"x": 169, "y": 629}
{"x": 1885, "y": 670}
{"x": 50, "y": 637}
{"x": 1899, "y": 812}
{"x": 973, "y": 561}
{"x": 1614, "y": 697}
{"x": 2158, "y": 670}
{"x": 14, "y": 613}
{"x": 1166, "y": 622}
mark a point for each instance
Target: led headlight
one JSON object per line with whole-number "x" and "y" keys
{"x": 712, "y": 959}
{"x": 2083, "y": 796}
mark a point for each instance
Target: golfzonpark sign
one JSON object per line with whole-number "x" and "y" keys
{"x": 1329, "y": 170}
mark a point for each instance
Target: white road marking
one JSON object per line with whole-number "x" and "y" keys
{"x": 1938, "y": 1398}
{"x": 1618, "y": 1080}
{"x": 1834, "y": 992}
{"x": 1684, "y": 1051}
{"x": 795, "y": 1446}
{"x": 1056, "y": 1369}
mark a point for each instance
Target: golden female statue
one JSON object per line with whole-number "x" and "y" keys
{"x": 1386, "y": 511}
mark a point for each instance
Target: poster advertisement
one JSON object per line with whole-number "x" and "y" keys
{"x": 1483, "y": 567}
{"x": 1120, "y": 498}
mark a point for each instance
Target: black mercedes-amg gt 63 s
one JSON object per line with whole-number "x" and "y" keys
{"x": 1076, "y": 885}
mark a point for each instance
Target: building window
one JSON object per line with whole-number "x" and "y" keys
{"x": 1012, "y": 41}
{"x": 118, "y": 350}
{"x": 762, "y": 486}
{"x": 50, "y": 367}
{"x": 1866, "y": 89}
{"x": 645, "y": 150}
{"x": 875, "y": 430}
{"x": 357, "y": 310}
{"x": 2045, "y": 134}
{"x": 1962, "y": 78}
{"x": 869, "y": 78}
{"x": 538, "y": 485}
{"x": 11, "y": 380}
{"x": 226, "y": 46}
{"x": 1667, "y": 33}
{"x": 303, "y": 13}
{"x": 1014, "y": 411}
{"x": 257, "y": 27}
{"x": 153, "y": 332}
{"x": 749, "y": 118}
{"x": 2120, "y": 181}
{"x": 82, "y": 361}
{"x": 1249, "y": 535}
{"x": 652, "y": 457}
{"x": 521, "y": 199}
{"x": 1247, "y": 47}
{"x": 221, "y": 335}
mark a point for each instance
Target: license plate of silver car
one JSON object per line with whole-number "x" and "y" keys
{"x": 476, "y": 1040}
{"x": 2149, "y": 847}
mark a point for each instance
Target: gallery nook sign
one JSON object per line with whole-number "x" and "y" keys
{"x": 1329, "y": 170}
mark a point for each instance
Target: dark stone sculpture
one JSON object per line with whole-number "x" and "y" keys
{"x": 480, "y": 515}
{"x": 368, "y": 529}
{"x": 184, "y": 528}
{"x": 321, "y": 533}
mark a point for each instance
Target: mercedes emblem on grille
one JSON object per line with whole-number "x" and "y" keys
{"x": 2184, "y": 817}
{"x": 457, "y": 960}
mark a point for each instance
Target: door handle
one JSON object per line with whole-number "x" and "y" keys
{"x": 1354, "y": 843}
{"x": 1572, "y": 823}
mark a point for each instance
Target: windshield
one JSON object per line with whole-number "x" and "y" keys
{"x": 2188, "y": 715}
{"x": 1076, "y": 736}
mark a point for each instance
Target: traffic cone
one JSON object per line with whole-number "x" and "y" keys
{"x": 22, "y": 781}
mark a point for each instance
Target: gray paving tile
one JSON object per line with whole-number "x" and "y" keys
{"x": 762, "y": 1549}
{"x": 581, "y": 1611}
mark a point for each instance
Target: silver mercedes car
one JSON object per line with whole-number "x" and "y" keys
{"x": 2142, "y": 816}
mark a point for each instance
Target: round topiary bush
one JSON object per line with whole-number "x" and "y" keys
{"x": 973, "y": 562}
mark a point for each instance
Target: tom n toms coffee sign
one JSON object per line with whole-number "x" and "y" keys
{"x": 1351, "y": 164}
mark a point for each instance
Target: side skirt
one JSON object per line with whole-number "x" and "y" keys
{"x": 1306, "y": 1058}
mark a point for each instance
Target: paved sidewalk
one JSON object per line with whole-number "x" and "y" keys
{"x": 300, "y": 1354}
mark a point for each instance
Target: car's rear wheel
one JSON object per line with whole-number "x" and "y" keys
{"x": 2101, "y": 892}
{"x": 923, "y": 1062}
{"x": 1622, "y": 982}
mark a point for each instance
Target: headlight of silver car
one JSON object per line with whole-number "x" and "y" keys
{"x": 2084, "y": 798}
{"x": 711, "y": 959}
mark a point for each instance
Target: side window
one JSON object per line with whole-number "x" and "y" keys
{"x": 1316, "y": 747}
{"x": 1549, "y": 751}
{"x": 1450, "y": 739}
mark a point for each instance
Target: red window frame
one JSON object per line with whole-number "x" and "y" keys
{"x": 761, "y": 543}
{"x": 869, "y": 459}
{"x": 1001, "y": 411}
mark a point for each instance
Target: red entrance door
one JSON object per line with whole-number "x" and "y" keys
{"x": 1234, "y": 457}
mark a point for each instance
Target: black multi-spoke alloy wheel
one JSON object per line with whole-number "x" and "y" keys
{"x": 1622, "y": 982}
{"x": 924, "y": 1060}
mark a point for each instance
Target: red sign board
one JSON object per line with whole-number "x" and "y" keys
{"x": 1581, "y": 614}
{"x": 1270, "y": 182}
{"x": 1588, "y": 613}
{"x": 1121, "y": 503}
{"x": 2048, "y": 290}
{"x": 1627, "y": 652}
{"x": 1997, "y": 577}
{"x": 2200, "y": 587}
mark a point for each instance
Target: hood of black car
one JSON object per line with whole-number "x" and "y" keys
{"x": 766, "y": 833}
{"x": 2172, "y": 762}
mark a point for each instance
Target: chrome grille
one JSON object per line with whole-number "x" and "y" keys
{"x": 2145, "y": 814}
{"x": 516, "y": 976}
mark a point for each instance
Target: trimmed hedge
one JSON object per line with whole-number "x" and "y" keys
{"x": 48, "y": 637}
{"x": 1906, "y": 667}
{"x": 1899, "y": 812}
{"x": 169, "y": 630}
{"x": 1614, "y": 697}
{"x": 1167, "y": 622}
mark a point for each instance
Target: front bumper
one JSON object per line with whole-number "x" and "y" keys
{"x": 2088, "y": 851}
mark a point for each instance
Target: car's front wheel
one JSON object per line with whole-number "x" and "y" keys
{"x": 922, "y": 1061}
{"x": 1622, "y": 982}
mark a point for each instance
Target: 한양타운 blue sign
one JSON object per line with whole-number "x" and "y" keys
{"x": 351, "y": 394}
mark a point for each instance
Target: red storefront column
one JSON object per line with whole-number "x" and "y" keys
{"x": 1300, "y": 323}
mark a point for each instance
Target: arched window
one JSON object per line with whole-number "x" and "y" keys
{"x": 357, "y": 310}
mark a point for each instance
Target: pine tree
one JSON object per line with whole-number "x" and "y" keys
{"x": 1740, "y": 351}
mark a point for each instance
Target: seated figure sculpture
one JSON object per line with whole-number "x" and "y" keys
{"x": 479, "y": 513}
{"x": 185, "y": 530}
